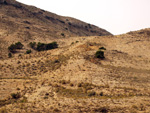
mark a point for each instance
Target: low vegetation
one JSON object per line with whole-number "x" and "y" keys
{"x": 72, "y": 79}
{"x": 15, "y": 95}
{"x": 9, "y": 55}
{"x": 28, "y": 51}
{"x": 32, "y": 45}
{"x": 100, "y": 53}
{"x": 42, "y": 46}
{"x": 13, "y": 47}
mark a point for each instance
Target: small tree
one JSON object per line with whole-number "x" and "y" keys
{"x": 100, "y": 54}
{"x": 32, "y": 45}
{"x": 41, "y": 46}
{"x": 12, "y": 48}
{"x": 52, "y": 45}
{"x": 19, "y": 45}
{"x": 28, "y": 51}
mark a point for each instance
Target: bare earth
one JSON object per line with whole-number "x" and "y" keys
{"x": 71, "y": 80}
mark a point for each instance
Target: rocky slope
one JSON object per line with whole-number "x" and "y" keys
{"x": 19, "y": 22}
{"x": 71, "y": 79}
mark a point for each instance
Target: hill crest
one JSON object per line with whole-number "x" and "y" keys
{"x": 23, "y": 23}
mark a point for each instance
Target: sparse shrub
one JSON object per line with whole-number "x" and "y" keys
{"x": 19, "y": 55}
{"x": 62, "y": 34}
{"x": 89, "y": 25}
{"x": 32, "y": 45}
{"x": 63, "y": 82}
{"x": 56, "y": 110}
{"x": 102, "y": 48}
{"x": 71, "y": 84}
{"x": 28, "y": 51}
{"x": 87, "y": 86}
{"x": 9, "y": 55}
{"x": 93, "y": 93}
{"x": 19, "y": 45}
{"x": 18, "y": 88}
{"x": 46, "y": 94}
{"x": 79, "y": 84}
{"x": 100, "y": 54}
{"x": 56, "y": 61}
{"x": 18, "y": 62}
{"x": 42, "y": 46}
{"x": 77, "y": 41}
{"x": 15, "y": 95}
{"x": 102, "y": 110}
{"x": 69, "y": 23}
{"x": 12, "y": 48}
{"x": 52, "y": 45}
{"x": 101, "y": 94}
{"x": 45, "y": 97}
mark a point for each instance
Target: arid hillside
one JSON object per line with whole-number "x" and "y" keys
{"x": 70, "y": 79}
{"x": 19, "y": 22}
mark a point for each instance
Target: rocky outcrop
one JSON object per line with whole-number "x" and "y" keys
{"x": 7, "y": 2}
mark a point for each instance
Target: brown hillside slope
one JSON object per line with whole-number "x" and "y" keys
{"x": 19, "y": 22}
{"x": 70, "y": 79}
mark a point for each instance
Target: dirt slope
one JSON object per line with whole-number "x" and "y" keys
{"x": 19, "y": 22}
{"x": 70, "y": 79}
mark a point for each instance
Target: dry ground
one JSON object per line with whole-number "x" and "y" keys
{"x": 19, "y": 22}
{"x": 70, "y": 79}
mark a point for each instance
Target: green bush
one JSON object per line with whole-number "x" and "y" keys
{"x": 102, "y": 48}
{"x": 52, "y": 45}
{"x": 9, "y": 55}
{"x": 28, "y": 51}
{"x": 32, "y": 45}
{"x": 42, "y": 46}
{"x": 12, "y": 48}
{"x": 100, "y": 54}
{"x": 19, "y": 45}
